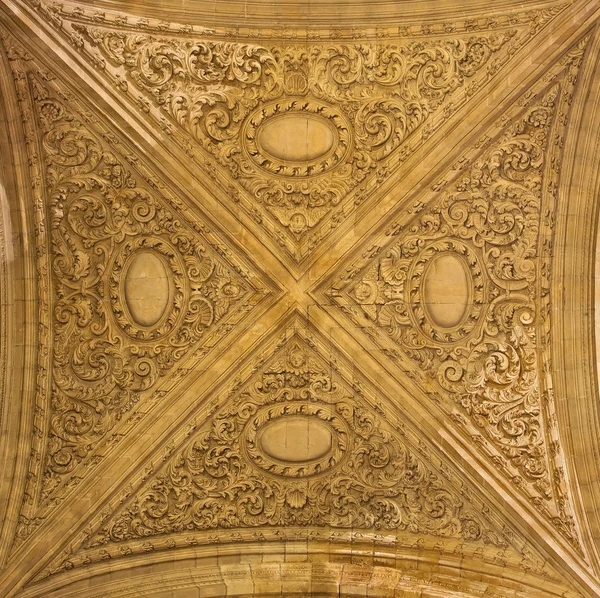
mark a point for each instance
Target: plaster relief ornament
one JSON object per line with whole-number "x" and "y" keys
{"x": 135, "y": 285}
{"x": 459, "y": 290}
{"x": 299, "y": 128}
{"x": 296, "y": 445}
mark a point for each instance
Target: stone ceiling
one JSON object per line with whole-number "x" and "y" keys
{"x": 298, "y": 299}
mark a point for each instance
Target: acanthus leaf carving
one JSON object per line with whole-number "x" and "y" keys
{"x": 99, "y": 219}
{"x": 224, "y": 95}
{"x": 231, "y": 472}
{"x": 493, "y": 370}
{"x": 476, "y": 331}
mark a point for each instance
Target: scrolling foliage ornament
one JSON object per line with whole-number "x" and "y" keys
{"x": 489, "y": 223}
{"x": 370, "y": 97}
{"x": 101, "y": 219}
{"x": 366, "y": 477}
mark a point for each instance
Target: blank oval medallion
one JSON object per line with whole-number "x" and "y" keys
{"x": 146, "y": 288}
{"x": 446, "y": 290}
{"x": 296, "y": 137}
{"x": 296, "y": 439}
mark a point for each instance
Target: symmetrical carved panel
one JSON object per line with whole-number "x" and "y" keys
{"x": 396, "y": 403}
{"x": 344, "y": 462}
{"x": 362, "y": 476}
{"x": 134, "y": 285}
{"x": 456, "y": 288}
{"x": 226, "y": 94}
{"x": 335, "y": 114}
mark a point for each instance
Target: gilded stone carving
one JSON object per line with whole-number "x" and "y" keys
{"x": 473, "y": 326}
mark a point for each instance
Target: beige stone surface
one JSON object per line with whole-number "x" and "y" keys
{"x": 298, "y": 299}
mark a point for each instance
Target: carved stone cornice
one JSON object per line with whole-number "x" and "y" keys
{"x": 396, "y": 574}
{"x": 398, "y": 22}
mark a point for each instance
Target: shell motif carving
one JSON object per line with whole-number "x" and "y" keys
{"x": 236, "y": 471}
{"x": 136, "y": 287}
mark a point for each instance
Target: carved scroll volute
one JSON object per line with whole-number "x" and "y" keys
{"x": 456, "y": 291}
{"x": 136, "y": 286}
{"x": 295, "y": 446}
{"x": 298, "y": 127}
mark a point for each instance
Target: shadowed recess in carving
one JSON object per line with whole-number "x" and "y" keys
{"x": 146, "y": 288}
{"x": 446, "y": 290}
{"x": 296, "y": 137}
{"x": 296, "y": 439}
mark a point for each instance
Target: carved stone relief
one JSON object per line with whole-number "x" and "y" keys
{"x": 456, "y": 288}
{"x": 134, "y": 285}
{"x": 338, "y": 116}
{"x": 293, "y": 444}
{"x": 110, "y": 343}
{"x": 359, "y": 474}
{"x": 432, "y": 437}
{"x": 236, "y": 96}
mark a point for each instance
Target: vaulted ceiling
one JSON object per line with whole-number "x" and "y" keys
{"x": 299, "y": 298}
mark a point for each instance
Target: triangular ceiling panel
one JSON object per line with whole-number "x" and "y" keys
{"x": 132, "y": 285}
{"x": 456, "y": 291}
{"x": 360, "y": 107}
{"x": 299, "y": 445}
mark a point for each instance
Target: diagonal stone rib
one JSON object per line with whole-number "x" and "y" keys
{"x": 224, "y": 474}
{"x": 222, "y": 96}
